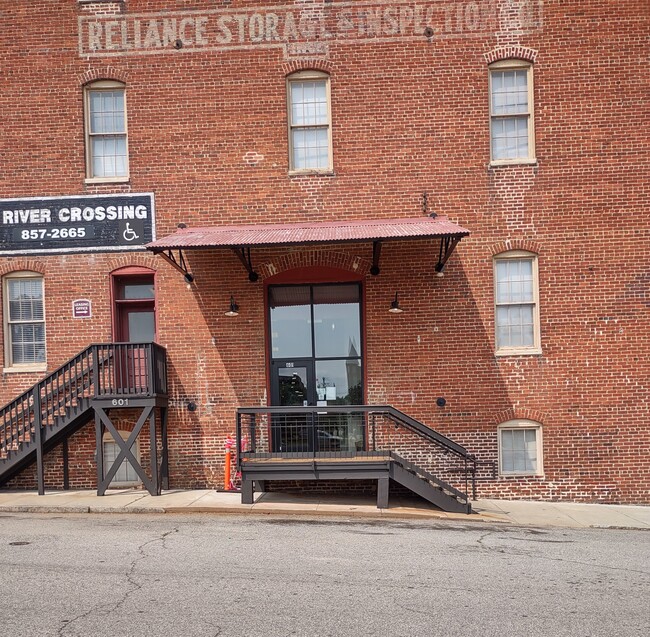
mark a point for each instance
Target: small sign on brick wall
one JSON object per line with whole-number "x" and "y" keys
{"x": 81, "y": 308}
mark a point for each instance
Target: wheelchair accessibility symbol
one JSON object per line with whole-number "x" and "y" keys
{"x": 129, "y": 234}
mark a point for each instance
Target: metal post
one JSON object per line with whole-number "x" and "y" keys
{"x": 466, "y": 482}
{"x": 253, "y": 434}
{"x": 95, "y": 371}
{"x": 474, "y": 482}
{"x": 99, "y": 452}
{"x": 150, "y": 382}
{"x": 153, "y": 450}
{"x": 383, "y": 485}
{"x": 164, "y": 463}
{"x": 66, "y": 468}
{"x": 238, "y": 439}
{"x": 38, "y": 431}
{"x": 247, "y": 491}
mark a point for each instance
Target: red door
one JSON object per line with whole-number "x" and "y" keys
{"x": 134, "y": 326}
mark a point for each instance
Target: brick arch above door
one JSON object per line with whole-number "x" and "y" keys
{"x": 315, "y": 266}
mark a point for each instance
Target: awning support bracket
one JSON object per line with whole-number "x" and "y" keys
{"x": 376, "y": 253}
{"x": 244, "y": 254}
{"x": 447, "y": 245}
{"x": 178, "y": 263}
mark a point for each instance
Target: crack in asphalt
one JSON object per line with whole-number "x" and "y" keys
{"x": 135, "y": 586}
{"x": 531, "y": 554}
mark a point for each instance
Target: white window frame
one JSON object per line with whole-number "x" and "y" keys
{"x": 135, "y": 450}
{"x": 309, "y": 76}
{"x": 518, "y": 425}
{"x": 104, "y": 85}
{"x": 536, "y": 347}
{"x": 514, "y": 65}
{"x": 10, "y": 366}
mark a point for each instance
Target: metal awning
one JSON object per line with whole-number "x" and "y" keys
{"x": 241, "y": 238}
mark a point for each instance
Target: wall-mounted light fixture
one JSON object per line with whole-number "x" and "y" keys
{"x": 439, "y": 269}
{"x": 233, "y": 310}
{"x": 394, "y": 306}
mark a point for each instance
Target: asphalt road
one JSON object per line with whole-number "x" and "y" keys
{"x": 200, "y": 575}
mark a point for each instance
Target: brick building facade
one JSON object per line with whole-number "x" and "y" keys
{"x": 524, "y": 122}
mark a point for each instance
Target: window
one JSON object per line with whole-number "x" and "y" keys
{"x": 126, "y": 474}
{"x": 520, "y": 448}
{"x": 24, "y": 324}
{"x": 310, "y": 135}
{"x": 106, "y": 142}
{"x": 517, "y": 306}
{"x": 511, "y": 112}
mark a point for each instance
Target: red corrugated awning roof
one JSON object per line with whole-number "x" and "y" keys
{"x": 303, "y": 233}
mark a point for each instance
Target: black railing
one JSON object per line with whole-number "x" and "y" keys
{"x": 100, "y": 371}
{"x": 132, "y": 369}
{"x": 354, "y": 431}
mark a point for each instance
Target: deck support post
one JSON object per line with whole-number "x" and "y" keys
{"x": 66, "y": 465}
{"x": 383, "y": 486}
{"x": 247, "y": 491}
{"x": 164, "y": 462}
{"x": 99, "y": 450}
{"x": 152, "y": 485}
{"x": 153, "y": 454}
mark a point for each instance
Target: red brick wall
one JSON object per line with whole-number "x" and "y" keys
{"x": 207, "y": 135}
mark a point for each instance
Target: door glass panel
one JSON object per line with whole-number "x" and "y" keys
{"x": 292, "y": 432}
{"x": 293, "y": 386}
{"x": 290, "y": 322}
{"x": 136, "y": 288}
{"x": 142, "y": 327}
{"x": 339, "y": 383}
{"x": 337, "y": 328}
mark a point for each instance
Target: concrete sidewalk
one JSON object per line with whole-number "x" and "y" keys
{"x": 524, "y": 513}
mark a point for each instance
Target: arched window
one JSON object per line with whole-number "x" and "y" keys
{"x": 106, "y": 131}
{"x": 516, "y": 296}
{"x": 512, "y": 138}
{"x": 310, "y": 130}
{"x": 24, "y": 321}
{"x": 520, "y": 448}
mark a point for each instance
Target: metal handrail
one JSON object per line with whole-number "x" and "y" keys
{"x": 99, "y": 370}
{"x": 410, "y": 423}
{"x": 370, "y": 412}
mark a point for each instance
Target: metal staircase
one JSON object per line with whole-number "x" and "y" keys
{"x": 427, "y": 486}
{"x": 376, "y": 442}
{"x": 59, "y": 405}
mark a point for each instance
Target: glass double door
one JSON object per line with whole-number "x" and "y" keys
{"x": 316, "y": 361}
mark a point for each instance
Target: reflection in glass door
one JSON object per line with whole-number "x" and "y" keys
{"x": 293, "y": 386}
{"x": 316, "y": 361}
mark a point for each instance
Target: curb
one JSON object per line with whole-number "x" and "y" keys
{"x": 44, "y": 509}
{"x": 386, "y": 514}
